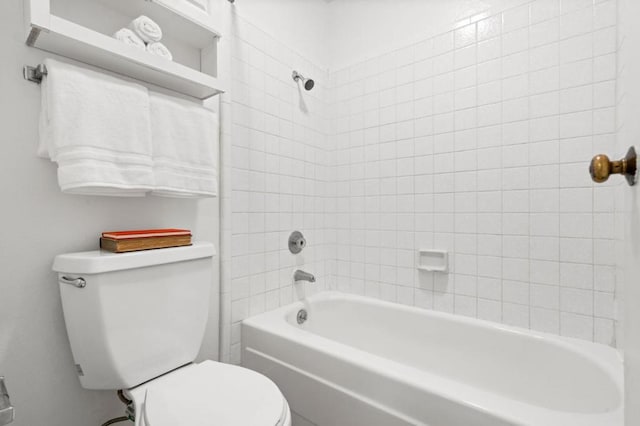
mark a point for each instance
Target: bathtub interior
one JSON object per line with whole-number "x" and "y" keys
{"x": 516, "y": 364}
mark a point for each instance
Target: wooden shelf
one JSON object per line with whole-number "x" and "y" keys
{"x": 66, "y": 38}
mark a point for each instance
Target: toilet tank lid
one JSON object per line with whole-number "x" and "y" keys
{"x": 99, "y": 261}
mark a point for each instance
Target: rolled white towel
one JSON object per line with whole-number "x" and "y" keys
{"x": 127, "y": 36}
{"x": 160, "y": 49}
{"x": 146, "y": 29}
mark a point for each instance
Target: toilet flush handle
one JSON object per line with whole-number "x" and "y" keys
{"x": 76, "y": 282}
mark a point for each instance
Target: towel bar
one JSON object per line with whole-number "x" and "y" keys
{"x": 34, "y": 74}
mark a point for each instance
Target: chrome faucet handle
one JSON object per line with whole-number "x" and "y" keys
{"x": 296, "y": 242}
{"x": 7, "y": 414}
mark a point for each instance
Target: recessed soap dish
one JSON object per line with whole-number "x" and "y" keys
{"x": 433, "y": 260}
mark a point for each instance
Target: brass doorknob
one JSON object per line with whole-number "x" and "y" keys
{"x": 601, "y": 167}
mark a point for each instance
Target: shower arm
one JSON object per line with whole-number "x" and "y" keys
{"x": 308, "y": 83}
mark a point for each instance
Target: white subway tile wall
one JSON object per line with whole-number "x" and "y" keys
{"x": 477, "y": 141}
{"x": 275, "y": 169}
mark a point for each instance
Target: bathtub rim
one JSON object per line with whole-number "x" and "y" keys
{"x": 281, "y": 322}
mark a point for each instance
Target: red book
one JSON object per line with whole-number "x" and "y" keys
{"x": 146, "y": 233}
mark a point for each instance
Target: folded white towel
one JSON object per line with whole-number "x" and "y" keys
{"x": 160, "y": 49}
{"x": 97, "y": 129}
{"x": 146, "y": 29}
{"x": 127, "y": 36}
{"x": 185, "y": 148}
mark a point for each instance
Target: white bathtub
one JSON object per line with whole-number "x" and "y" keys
{"x": 360, "y": 361}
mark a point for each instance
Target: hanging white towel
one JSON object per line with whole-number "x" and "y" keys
{"x": 97, "y": 129}
{"x": 185, "y": 147}
{"x": 146, "y": 28}
{"x": 127, "y": 36}
{"x": 160, "y": 49}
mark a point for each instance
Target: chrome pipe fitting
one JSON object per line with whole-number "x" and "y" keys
{"x": 303, "y": 276}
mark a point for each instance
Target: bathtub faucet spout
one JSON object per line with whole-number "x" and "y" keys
{"x": 303, "y": 276}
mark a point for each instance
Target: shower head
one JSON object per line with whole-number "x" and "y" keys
{"x": 308, "y": 83}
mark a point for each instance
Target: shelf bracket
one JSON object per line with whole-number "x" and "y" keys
{"x": 34, "y": 74}
{"x": 33, "y": 36}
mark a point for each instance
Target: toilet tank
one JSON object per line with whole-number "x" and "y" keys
{"x": 140, "y": 314}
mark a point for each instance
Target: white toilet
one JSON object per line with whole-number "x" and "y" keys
{"x": 136, "y": 322}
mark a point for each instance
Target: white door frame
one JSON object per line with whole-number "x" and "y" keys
{"x": 628, "y": 203}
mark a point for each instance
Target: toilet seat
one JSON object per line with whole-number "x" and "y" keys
{"x": 210, "y": 394}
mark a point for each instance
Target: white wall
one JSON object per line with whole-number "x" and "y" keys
{"x": 361, "y": 29}
{"x": 276, "y": 152}
{"x": 471, "y": 134}
{"x": 302, "y": 25}
{"x": 38, "y": 222}
{"x": 477, "y": 145}
{"x": 477, "y": 141}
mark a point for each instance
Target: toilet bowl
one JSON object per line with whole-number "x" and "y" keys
{"x": 208, "y": 394}
{"x": 136, "y": 322}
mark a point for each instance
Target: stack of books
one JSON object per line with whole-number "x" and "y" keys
{"x": 145, "y": 239}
